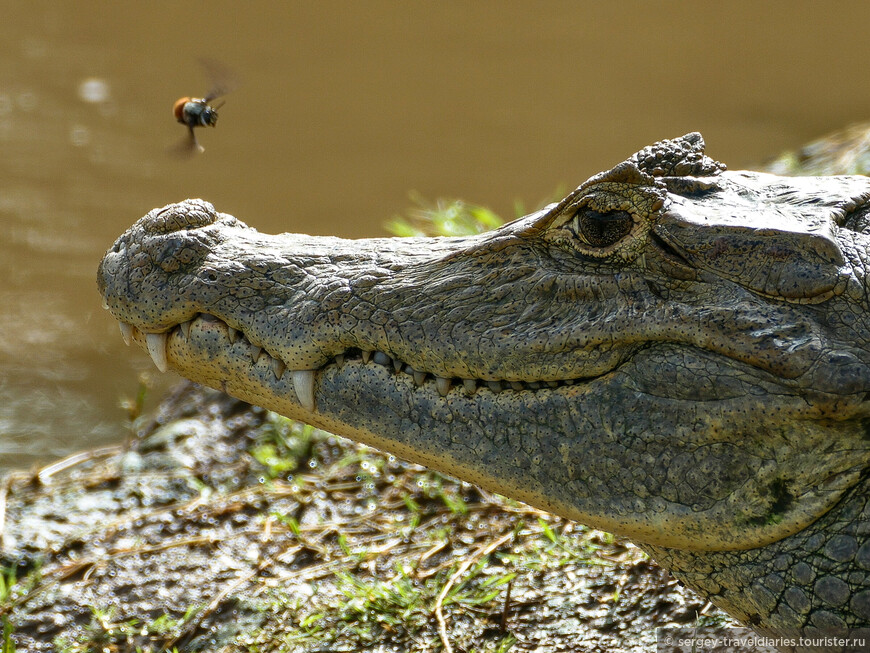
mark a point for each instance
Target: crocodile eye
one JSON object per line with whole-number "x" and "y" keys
{"x": 601, "y": 229}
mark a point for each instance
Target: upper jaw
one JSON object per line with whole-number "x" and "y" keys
{"x": 316, "y": 299}
{"x": 338, "y": 298}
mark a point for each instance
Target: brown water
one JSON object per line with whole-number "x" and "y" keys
{"x": 344, "y": 108}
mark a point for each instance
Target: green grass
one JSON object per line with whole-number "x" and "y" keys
{"x": 107, "y": 632}
{"x": 6, "y": 644}
{"x": 282, "y": 446}
{"x": 8, "y": 579}
{"x": 12, "y": 587}
{"x": 443, "y": 218}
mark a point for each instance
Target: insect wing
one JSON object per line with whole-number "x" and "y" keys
{"x": 221, "y": 79}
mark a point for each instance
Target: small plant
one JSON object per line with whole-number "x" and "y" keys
{"x": 443, "y": 218}
{"x": 135, "y": 406}
{"x": 107, "y": 633}
{"x": 8, "y": 578}
{"x": 453, "y": 217}
{"x": 290, "y": 522}
{"x": 506, "y": 644}
{"x": 548, "y": 532}
{"x": 373, "y": 607}
{"x": 282, "y": 445}
{"x": 6, "y": 644}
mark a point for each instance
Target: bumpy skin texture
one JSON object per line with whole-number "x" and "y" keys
{"x": 815, "y": 581}
{"x": 673, "y": 352}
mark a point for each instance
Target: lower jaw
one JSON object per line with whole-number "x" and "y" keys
{"x": 539, "y": 446}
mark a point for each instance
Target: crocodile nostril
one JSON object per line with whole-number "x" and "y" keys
{"x": 186, "y": 215}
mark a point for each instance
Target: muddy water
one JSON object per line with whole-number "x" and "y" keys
{"x": 341, "y": 110}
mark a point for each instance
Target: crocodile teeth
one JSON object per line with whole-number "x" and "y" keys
{"x": 157, "y": 349}
{"x": 185, "y": 329}
{"x": 278, "y": 367}
{"x": 232, "y": 334}
{"x": 303, "y": 383}
{"x": 366, "y": 356}
{"x": 443, "y": 385}
{"x": 126, "y": 332}
{"x": 470, "y": 386}
{"x": 419, "y": 377}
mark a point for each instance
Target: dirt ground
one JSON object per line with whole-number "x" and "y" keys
{"x": 222, "y": 527}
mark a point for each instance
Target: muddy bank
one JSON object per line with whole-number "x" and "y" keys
{"x": 222, "y": 527}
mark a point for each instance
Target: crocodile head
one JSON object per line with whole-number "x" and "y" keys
{"x": 674, "y": 352}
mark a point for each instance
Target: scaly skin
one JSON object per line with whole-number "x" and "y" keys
{"x": 674, "y": 353}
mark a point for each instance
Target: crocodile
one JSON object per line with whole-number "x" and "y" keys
{"x": 674, "y": 352}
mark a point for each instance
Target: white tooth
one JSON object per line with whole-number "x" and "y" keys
{"x": 443, "y": 385}
{"x": 105, "y": 304}
{"x": 255, "y": 352}
{"x": 303, "y": 383}
{"x": 278, "y": 367}
{"x": 339, "y": 359}
{"x": 185, "y": 329}
{"x": 126, "y": 332}
{"x": 157, "y": 348}
{"x": 470, "y": 385}
{"x": 366, "y": 356}
{"x": 232, "y": 334}
{"x": 419, "y": 377}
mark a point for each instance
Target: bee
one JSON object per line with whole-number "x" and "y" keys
{"x": 200, "y": 112}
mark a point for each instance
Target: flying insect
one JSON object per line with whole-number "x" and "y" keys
{"x": 200, "y": 112}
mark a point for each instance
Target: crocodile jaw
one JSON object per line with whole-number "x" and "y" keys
{"x": 586, "y": 464}
{"x": 480, "y": 438}
{"x": 664, "y": 396}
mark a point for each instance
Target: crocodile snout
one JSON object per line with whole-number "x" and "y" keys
{"x": 137, "y": 277}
